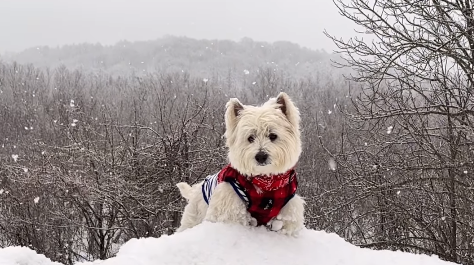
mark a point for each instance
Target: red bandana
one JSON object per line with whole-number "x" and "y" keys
{"x": 273, "y": 182}
{"x": 265, "y": 196}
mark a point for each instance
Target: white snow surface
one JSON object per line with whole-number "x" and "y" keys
{"x": 23, "y": 256}
{"x": 219, "y": 244}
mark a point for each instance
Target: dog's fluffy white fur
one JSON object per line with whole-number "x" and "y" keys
{"x": 250, "y": 130}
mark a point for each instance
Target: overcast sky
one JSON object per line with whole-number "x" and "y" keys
{"x": 27, "y": 23}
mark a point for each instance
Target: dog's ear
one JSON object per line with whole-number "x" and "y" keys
{"x": 234, "y": 106}
{"x": 233, "y": 109}
{"x": 288, "y": 108}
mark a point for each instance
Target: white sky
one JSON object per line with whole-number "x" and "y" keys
{"x": 27, "y": 23}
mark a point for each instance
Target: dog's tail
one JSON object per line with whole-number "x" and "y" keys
{"x": 185, "y": 189}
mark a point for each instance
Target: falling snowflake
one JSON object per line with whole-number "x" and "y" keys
{"x": 25, "y": 170}
{"x": 365, "y": 144}
{"x": 36, "y": 200}
{"x": 398, "y": 192}
{"x": 465, "y": 171}
{"x": 443, "y": 218}
{"x": 43, "y": 152}
{"x": 329, "y": 112}
{"x": 332, "y": 164}
{"x": 1, "y": 191}
{"x": 389, "y": 129}
{"x": 246, "y": 72}
{"x": 253, "y": 83}
{"x": 26, "y": 128}
{"x": 15, "y": 157}
{"x": 205, "y": 80}
{"x": 71, "y": 104}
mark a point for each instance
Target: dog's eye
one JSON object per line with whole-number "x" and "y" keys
{"x": 251, "y": 139}
{"x": 272, "y": 137}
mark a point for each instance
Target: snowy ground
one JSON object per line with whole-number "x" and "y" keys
{"x": 218, "y": 244}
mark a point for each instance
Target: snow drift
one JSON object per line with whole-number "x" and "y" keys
{"x": 218, "y": 244}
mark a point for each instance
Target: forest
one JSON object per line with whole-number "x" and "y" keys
{"x": 93, "y": 140}
{"x": 170, "y": 54}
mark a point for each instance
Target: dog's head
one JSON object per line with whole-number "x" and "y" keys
{"x": 263, "y": 140}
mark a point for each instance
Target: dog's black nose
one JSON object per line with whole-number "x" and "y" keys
{"x": 261, "y": 157}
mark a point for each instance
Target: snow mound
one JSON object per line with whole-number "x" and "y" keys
{"x": 23, "y": 256}
{"x": 217, "y": 244}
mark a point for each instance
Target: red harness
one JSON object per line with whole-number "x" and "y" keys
{"x": 265, "y": 195}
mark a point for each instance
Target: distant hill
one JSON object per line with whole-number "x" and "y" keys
{"x": 171, "y": 54}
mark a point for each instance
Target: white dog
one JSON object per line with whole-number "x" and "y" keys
{"x": 258, "y": 187}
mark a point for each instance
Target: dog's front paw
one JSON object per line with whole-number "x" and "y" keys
{"x": 223, "y": 215}
{"x": 285, "y": 225}
{"x": 290, "y": 220}
{"x": 253, "y": 221}
{"x": 227, "y": 207}
{"x": 275, "y": 225}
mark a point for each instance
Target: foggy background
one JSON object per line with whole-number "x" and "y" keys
{"x": 27, "y": 23}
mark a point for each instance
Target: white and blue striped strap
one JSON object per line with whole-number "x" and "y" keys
{"x": 210, "y": 183}
{"x": 240, "y": 191}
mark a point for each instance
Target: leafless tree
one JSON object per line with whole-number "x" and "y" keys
{"x": 407, "y": 161}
